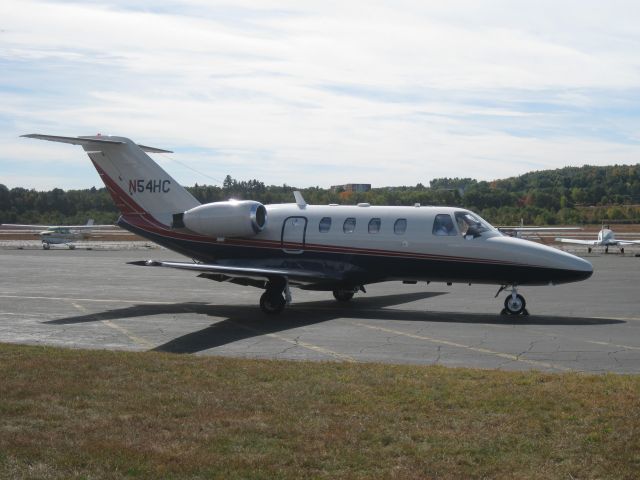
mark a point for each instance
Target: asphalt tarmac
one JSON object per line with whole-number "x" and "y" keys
{"x": 92, "y": 299}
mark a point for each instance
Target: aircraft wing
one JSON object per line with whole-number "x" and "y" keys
{"x": 577, "y": 242}
{"x": 20, "y": 226}
{"x": 536, "y": 229}
{"x": 298, "y": 276}
{"x": 87, "y": 227}
{"x": 627, "y": 242}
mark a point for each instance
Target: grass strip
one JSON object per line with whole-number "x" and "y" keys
{"x": 104, "y": 414}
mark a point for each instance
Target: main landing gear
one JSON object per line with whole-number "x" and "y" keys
{"x": 514, "y": 304}
{"x": 275, "y": 297}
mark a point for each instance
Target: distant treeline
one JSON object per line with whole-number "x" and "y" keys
{"x": 572, "y": 195}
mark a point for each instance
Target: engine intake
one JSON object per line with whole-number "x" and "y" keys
{"x": 234, "y": 218}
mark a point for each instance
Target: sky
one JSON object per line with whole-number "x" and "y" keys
{"x": 318, "y": 93}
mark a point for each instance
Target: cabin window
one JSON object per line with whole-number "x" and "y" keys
{"x": 325, "y": 224}
{"x": 443, "y": 225}
{"x": 400, "y": 226}
{"x": 349, "y": 225}
{"x": 374, "y": 225}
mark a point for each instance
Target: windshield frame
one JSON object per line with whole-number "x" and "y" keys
{"x": 472, "y": 224}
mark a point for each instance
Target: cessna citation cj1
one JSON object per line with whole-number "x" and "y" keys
{"x": 330, "y": 248}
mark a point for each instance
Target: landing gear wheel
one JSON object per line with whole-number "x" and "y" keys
{"x": 589, "y": 249}
{"x": 622, "y": 250}
{"x": 606, "y": 249}
{"x": 514, "y": 306}
{"x": 272, "y": 303}
{"x": 46, "y": 246}
{"x": 343, "y": 295}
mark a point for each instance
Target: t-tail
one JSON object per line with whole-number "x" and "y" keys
{"x": 145, "y": 194}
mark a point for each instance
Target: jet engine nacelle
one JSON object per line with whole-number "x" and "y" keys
{"x": 234, "y": 218}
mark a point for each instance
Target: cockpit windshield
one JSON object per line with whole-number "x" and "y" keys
{"x": 471, "y": 224}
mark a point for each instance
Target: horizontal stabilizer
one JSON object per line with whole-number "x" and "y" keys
{"x": 153, "y": 149}
{"x": 72, "y": 140}
{"x": 88, "y": 140}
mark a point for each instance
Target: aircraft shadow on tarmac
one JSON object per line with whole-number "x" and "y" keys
{"x": 246, "y": 321}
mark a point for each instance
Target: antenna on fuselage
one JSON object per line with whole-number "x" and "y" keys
{"x": 300, "y": 201}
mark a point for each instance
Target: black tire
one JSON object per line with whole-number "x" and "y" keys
{"x": 272, "y": 303}
{"x": 589, "y": 249}
{"x": 622, "y": 250}
{"x": 46, "y": 246}
{"x": 343, "y": 295}
{"x": 514, "y": 307}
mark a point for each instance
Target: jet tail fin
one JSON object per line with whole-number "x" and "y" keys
{"x": 137, "y": 184}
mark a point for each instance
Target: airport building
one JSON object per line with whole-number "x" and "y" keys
{"x": 352, "y": 187}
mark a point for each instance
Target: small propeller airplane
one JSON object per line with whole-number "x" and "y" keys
{"x": 60, "y": 234}
{"x": 606, "y": 239}
{"x": 332, "y": 248}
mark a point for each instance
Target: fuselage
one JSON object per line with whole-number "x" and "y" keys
{"x": 606, "y": 237}
{"x": 368, "y": 244}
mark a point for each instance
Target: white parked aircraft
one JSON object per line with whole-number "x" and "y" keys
{"x": 331, "y": 248}
{"x": 606, "y": 239}
{"x": 60, "y": 234}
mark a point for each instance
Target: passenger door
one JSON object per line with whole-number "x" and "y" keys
{"x": 293, "y": 234}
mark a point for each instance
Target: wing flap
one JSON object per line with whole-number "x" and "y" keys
{"x": 254, "y": 273}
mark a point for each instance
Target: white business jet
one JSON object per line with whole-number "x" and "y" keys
{"x": 606, "y": 239}
{"x": 60, "y": 234}
{"x": 330, "y": 248}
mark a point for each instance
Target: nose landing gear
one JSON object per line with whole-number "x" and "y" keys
{"x": 514, "y": 304}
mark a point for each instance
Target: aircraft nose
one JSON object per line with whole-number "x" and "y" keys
{"x": 581, "y": 269}
{"x": 551, "y": 264}
{"x": 571, "y": 268}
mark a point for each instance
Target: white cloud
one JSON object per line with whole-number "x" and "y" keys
{"x": 322, "y": 92}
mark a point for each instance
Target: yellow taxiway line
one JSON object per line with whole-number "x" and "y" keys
{"x": 137, "y": 340}
{"x": 507, "y": 356}
{"x": 307, "y": 345}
